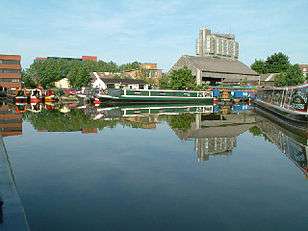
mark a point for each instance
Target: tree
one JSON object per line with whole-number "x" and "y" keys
{"x": 292, "y": 76}
{"x": 27, "y": 80}
{"x": 164, "y": 82}
{"x": 277, "y": 63}
{"x": 79, "y": 76}
{"x": 259, "y": 66}
{"x": 181, "y": 122}
{"x": 181, "y": 79}
{"x": 130, "y": 66}
{"x": 256, "y": 131}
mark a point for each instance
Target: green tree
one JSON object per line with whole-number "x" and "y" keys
{"x": 292, "y": 76}
{"x": 27, "y": 80}
{"x": 277, "y": 63}
{"x": 259, "y": 66}
{"x": 79, "y": 76}
{"x": 256, "y": 131}
{"x": 181, "y": 122}
{"x": 130, "y": 66}
{"x": 181, "y": 79}
{"x": 164, "y": 82}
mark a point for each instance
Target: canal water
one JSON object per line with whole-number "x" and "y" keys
{"x": 156, "y": 168}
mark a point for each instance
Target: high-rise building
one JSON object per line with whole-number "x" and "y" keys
{"x": 10, "y": 71}
{"x": 218, "y": 45}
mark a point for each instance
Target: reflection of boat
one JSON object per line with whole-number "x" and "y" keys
{"x": 36, "y": 95}
{"x": 35, "y": 107}
{"x": 118, "y": 96}
{"x": 21, "y": 96}
{"x": 50, "y": 96}
{"x": 291, "y": 141}
{"x": 50, "y": 106}
{"x": 290, "y": 102}
{"x": 145, "y": 110}
{"x": 21, "y": 107}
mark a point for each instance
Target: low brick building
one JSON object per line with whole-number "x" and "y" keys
{"x": 10, "y": 71}
{"x": 215, "y": 70}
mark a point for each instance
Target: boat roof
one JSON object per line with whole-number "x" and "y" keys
{"x": 287, "y": 88}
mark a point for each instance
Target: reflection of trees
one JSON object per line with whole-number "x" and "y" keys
{"x": 75, "y": 120}
{"x": 181, "y": 122}
{"x": 256, "y": 131}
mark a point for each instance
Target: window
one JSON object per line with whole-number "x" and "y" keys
{"x": 9, "y": 61}
{"x": 9, "y": 80}
{"x": 9, "y": 71}
{"x": 110, "y": 86}
{"x": 141, "y": 86}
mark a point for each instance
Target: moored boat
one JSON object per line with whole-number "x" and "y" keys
{"x": 50, "y": 96}
{"x": 36, "y": 95}
{"x": 21, "y": 96}
{"x": 289, "y": 102}
{"x": 124, "y": 96}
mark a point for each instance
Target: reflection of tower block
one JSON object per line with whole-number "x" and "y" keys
{"x": 201, "y": 146}
{"x": 225, "y": 96}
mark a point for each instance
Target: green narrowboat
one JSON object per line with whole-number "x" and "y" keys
{"x": 124, "y": 96}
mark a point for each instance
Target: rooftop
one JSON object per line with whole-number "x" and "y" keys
{"x": 220, "y": 65}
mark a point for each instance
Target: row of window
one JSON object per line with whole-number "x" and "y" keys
{"x": 9, "y": 71}
{"x": 9, "y": 80}
{"x": 9, "y": 61}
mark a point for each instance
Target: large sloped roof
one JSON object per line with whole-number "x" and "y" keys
{"x": 220, "y": 65}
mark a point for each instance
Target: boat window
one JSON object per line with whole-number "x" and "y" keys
{"x": 299, "y": 99}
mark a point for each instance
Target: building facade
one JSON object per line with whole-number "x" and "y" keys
{"x": 105, "y": 80}
{"x": 63, "y": 84}
{"x": 148, "y": 70}
{"x": 10, "y": 71}
{"x": 304, "y": 68}
{"x": 213, "y": 70}
{"x": 214, "y": 44}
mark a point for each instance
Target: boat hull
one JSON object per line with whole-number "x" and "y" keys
{"x": 154, "y": 100}
{"x": 298, "y": 117}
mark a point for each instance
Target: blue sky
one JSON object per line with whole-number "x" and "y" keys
{"x": 150, "y": 31}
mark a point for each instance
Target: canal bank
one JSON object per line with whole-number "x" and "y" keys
{"x": 12, "y": 214}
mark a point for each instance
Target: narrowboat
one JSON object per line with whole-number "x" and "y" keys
{"x": 21, "y": 96}
{"x": 124, "y": 96}
{"x": 289, "y": 102}
{"x": 36, "y": 95}
{"x": 50, "y": 96}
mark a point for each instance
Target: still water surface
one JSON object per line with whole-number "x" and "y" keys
{"x": 97, "y": 169}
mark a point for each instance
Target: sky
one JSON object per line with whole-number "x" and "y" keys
{"x": 158, "y": 31}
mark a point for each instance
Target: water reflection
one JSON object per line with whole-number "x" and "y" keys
{"x": 10, "y": 120}
{"x": 290, "y": 141}
{"x": 213, "y": 128}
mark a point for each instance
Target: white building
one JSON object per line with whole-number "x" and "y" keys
{"x": 219, "y": 45}
{"x": 104, "y": 80}
{"x": 63, "y": 84}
